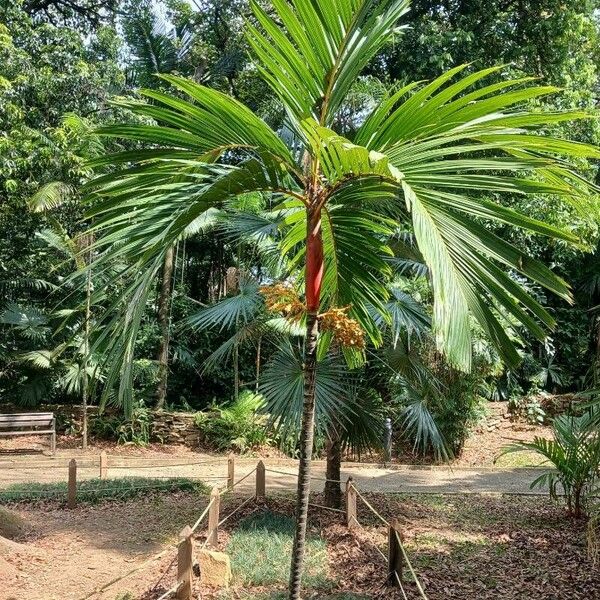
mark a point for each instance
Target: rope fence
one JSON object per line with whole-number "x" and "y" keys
{"x": 103, "y": 456}
{"x": 396, "y": 560}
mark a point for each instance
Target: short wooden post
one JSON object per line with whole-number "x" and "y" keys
{"x": 260, "y": 480}
{"x": 230, "y": 472}
{"x": 351, "y": 517}
{"x": 395, "y": 558}
{"x": 72, "y": 485}
{"x": 103, "y": 465}
{"x": 213, "y": 518}
{"x": 185, "y": 554}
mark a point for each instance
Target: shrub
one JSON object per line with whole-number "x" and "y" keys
{"x": 237, "y": 426}
{"x": 575, "y": 455}
{"x": 136, "y": 430}
{"x": 528, "y": 408}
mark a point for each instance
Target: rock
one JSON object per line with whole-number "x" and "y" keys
{"x": 215, "y": 569}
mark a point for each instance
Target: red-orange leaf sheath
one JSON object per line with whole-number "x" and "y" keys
{"x": 314, "y": 261}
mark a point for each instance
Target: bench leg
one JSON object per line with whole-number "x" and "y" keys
{"x": 53, "y": 442}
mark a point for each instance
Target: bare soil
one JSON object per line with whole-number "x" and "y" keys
{"x": 461, "y": 548}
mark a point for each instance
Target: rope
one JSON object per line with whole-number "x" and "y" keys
{"x": 16, "y": 495}
{"x": 134, "y": 570}
{"x": 327, "y": 480}
{"x": 235, "y": 510}
{"x": 145, "y": 563}
{"x": 410, "y": 567}
{"x": 312, "y": 476}
{"x": 281, "y": 472}
{"x": 165, "y": 573}
{"x": 205, "y": 512}
{"x": 160, "y": 466}
{"x": 401, "y": 586}
{"x": 244, "y": 477}
{"x": 169, "y": 592}
{"x": 96, "y": 465}
{"x": 370, "y": 507}
{"x": 385, "y": 558}
{"x": 339, "y": 510}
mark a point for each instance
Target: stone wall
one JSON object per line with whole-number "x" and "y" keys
{"x": 167, "y": 427}
{"x": 175, "y": 428}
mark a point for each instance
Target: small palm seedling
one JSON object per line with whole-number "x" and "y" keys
{"x": 574, "y": 454}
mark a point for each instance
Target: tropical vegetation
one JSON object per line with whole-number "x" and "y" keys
{"x": 298, "y": 218}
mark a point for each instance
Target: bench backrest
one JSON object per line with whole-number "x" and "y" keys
{"x": 26, "y": 420}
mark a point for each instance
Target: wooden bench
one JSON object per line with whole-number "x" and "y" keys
{"x": 29, "y": 424}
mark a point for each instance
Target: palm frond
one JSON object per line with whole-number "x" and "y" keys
{"x": 313, "y": 51}
{"x": 230, "y": 312}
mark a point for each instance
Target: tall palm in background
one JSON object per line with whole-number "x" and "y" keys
{"x": 157, "y": 47}
{"x": 421, "y": 158}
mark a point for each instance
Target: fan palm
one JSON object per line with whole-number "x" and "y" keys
{"x": 423, "y": 157}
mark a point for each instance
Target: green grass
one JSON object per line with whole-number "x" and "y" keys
{"x": 527, "y": 458}
{"x": 92, "y": 491}
{"x": 260, "y": 549}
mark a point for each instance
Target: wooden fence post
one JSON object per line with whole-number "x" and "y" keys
{"x": 103, "y": 465}
{"x": 395, "y": 558}
{"x": 260, "y": 480}
{"x": 72, "y": 485}
{"x": 230, "y": 472}
{"x": 185, "y": 554}
{"x": 351, "y": 517}
{"x": 213, "y": 518}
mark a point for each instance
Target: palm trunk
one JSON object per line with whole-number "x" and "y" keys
{"x": 258, "y": 345}
{"x": 314, "y": 277}
{"x": 236, "y": 371}
{"x": 164, "y": 303}
{"x": 333, "y": 492}
{"x": 86, "y": 352}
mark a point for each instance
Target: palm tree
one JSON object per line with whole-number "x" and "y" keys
{"x": 424, "y": 157}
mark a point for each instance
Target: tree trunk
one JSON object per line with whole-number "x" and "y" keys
{"x": 164, "y": 304}
{"x": 333, "y": 491}
{"x": 258, "y": 345}
{"x": 313, "y": 280}
{"x": 85, "y": 386}
{"x": 577, "y": 504}
{"x": 86, "y": 356}
{"x": 306, "y": 447}
{"x": 236, "y": 371}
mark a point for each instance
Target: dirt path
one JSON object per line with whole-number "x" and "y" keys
{"x": 281, "y": 473}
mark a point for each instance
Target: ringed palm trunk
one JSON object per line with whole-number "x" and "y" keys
{"x": 86, "y": 357}
{"x": 164, "y": 302}
{"x": 314, "y": 277}
{"x": 333, "y": 492}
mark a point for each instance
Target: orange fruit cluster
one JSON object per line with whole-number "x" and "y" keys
{"x": 346, "y": 331}
{"x": 283, "y": 299}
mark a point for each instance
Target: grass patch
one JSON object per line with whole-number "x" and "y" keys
{"x": 524, "y": 459}
{"x": 92, "y": 491}
{"x": 260, "y": 550}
